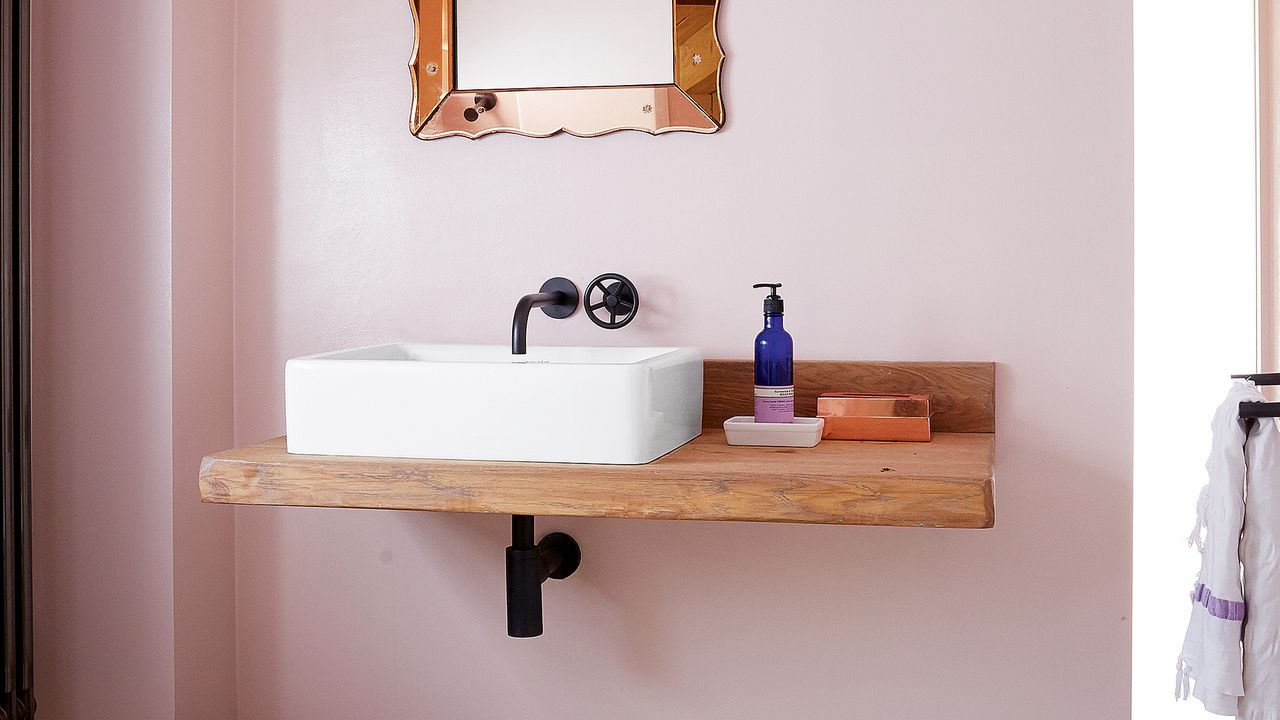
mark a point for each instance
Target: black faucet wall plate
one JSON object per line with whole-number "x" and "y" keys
{"x": 563, "y": 309}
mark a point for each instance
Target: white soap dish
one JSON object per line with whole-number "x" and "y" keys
{"x": 744, "y": 430}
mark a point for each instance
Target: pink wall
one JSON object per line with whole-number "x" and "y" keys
{"x": 961, "y": 190}
{"x": 203, "y": 391}
{"x": 101, "y": 365}
{"x": 965, "y": 195}
{"x": 132, "y": 375}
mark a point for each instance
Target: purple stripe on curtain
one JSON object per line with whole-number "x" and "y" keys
{"x": 1218, "y": 607}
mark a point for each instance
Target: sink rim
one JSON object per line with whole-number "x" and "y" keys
{"x": 507, "y": 359}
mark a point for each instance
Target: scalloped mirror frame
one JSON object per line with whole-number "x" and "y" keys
{"x": 441, "y": 109}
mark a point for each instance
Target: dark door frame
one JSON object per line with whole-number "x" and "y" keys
{"x": 17, "y": 702}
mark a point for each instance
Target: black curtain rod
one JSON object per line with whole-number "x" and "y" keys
{"x": 1260, "y": 378}
{"x": 1257, "y": 410}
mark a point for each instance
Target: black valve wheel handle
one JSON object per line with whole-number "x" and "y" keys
{"x": 621, "y": 299}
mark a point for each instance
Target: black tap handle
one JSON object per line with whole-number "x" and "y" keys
{"x": 613, "y": 295}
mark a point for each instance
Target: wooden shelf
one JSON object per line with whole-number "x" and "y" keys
{"x": 946, "y": 483}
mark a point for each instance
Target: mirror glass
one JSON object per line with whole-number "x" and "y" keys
{"x": 517, "y": 44}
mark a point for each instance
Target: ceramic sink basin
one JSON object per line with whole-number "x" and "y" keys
{"x": 624, "y": 406}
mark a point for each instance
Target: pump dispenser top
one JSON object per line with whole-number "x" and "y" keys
{"x": 772, "y": 302}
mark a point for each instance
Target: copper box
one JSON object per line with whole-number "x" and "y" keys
{"x": 863, "y": 416}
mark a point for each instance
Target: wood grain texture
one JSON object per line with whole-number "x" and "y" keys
{"x": 963, "y": 393}
{"x": 946, "y": 483}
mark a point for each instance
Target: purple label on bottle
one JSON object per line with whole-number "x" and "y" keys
{"x": 776, "y": 404}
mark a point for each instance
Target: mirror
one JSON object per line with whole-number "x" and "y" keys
{"x": 586, "y": 67}
{"x": 566, "y": 43}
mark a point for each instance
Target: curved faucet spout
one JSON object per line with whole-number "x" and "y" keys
{"x": 557, "y": 297}
{"x": 520, "y": 323}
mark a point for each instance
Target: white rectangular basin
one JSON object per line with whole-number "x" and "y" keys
{"x": 620, "y": 406}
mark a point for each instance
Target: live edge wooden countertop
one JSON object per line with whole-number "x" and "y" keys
{"x": 946, "y": 483}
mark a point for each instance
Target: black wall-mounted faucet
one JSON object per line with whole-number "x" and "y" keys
{"x": 558, "y": 298}
{"x": 557, "y": 555}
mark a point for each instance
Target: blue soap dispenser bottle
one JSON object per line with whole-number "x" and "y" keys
{"x": 775, "y": 388}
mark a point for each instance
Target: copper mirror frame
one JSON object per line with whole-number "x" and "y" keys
{"x": 441, "y": 109}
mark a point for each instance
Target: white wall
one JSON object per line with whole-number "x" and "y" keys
{"x": 1196, "y": 299}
